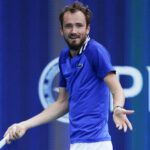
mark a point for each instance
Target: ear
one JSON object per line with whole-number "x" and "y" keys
{"x": 61, "y": 31}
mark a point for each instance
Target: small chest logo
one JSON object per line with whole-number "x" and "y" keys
{"x": 79, "y": 65}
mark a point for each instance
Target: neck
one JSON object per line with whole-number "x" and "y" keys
{"x": 74, "y": 53}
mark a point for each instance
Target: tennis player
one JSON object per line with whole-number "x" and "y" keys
{"x": 86, "y": 76}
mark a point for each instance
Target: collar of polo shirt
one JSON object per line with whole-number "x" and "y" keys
{"x": 84, "y": 45}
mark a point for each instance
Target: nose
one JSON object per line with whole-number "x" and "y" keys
{"x": 74, "y": 29}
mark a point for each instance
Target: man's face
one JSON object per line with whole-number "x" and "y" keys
{"x": 74, "y": 29}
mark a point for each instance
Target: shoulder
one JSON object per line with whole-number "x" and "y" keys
{"x": 94, "y": 48}
{"x": 64, "y": 54}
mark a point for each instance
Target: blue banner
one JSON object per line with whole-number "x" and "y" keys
{"x": 30, "y": 44}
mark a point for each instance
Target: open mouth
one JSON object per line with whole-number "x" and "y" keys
{"x": 73, "y": 37}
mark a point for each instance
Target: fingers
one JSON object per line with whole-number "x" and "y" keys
{"x": 15, "y": 131}
{"x": 128, "y": 111}
{"x": 129, "y": 124}
{"x": 119, "y": 110}
{"x": 12, "y": 133}
{"x": 119, "y": 126}
{"x": 124, "y": 125}
{"x": 8, "y": 141}
{"x": 121, "y": 119}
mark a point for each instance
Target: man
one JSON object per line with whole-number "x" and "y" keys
{"x": 85, "y": 75}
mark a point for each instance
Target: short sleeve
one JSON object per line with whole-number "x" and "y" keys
{"x": 101, "y": 62}
{"x": 62, "y": 80}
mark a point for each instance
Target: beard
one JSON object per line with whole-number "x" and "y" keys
{"x": 73, "y": 45}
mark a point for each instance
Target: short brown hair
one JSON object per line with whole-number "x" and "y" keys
{"x": 76, "y": 6}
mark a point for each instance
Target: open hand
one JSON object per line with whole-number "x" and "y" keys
{"x": 121, "y": 120}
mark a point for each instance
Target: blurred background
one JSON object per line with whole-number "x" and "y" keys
{"x": 30, "y": 44}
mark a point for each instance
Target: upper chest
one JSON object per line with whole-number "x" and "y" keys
{"x": 77, "y": 65}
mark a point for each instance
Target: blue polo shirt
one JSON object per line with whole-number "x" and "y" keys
{"x": 83, "y": 76}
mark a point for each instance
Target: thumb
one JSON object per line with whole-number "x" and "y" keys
{"x": 128, "y": 111}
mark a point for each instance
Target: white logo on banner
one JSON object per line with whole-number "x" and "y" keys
{"x": 48, "y": 89}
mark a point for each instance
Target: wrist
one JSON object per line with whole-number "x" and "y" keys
{"x": 116, "y": 107}
{"x": 25, "y": 124}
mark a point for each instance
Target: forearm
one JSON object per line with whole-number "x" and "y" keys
{"x": 118, "y": 97}
{"x": 119, "y": 115}
{"x": 53, "y": 112}
{"x": 116, "y": 90}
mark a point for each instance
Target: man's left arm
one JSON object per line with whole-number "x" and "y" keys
{"x": 119, "y": 113}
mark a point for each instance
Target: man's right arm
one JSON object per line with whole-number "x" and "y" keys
{"x": 54, "y": 111}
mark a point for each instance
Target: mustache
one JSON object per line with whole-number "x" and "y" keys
{"x": 74, "y": 36}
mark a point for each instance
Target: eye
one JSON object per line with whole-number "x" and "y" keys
{"x": 79, "y": 25}
{"x": 68, "y": 26}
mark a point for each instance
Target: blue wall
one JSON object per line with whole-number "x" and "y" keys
{"x": 30, "y": 39}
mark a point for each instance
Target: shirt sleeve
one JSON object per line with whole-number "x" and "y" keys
{"x": 101, "y": 62}
{"x": 62, "y": 80}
